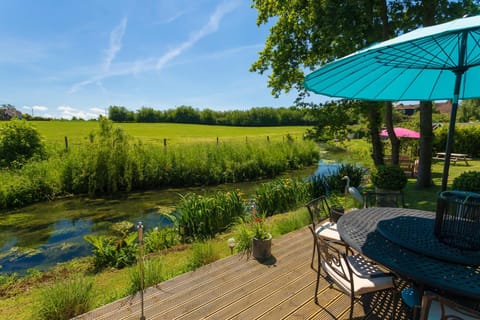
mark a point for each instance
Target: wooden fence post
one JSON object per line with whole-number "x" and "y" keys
{"x": 66, "y": 143}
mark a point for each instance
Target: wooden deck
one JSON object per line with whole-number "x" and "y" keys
{"x": 237, "y": 288}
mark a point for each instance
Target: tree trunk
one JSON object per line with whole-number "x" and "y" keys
{"x": 424, "y": 175}
{"x": 374, "y": 117}
{"x": 391, "y": 134}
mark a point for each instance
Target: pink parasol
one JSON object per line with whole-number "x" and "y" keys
{"x": 402, "y": 133}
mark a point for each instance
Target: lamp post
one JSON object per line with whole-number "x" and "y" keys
{"x": 140, "y": 264}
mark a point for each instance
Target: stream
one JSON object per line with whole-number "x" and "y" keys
{"x": 44, "y": 234}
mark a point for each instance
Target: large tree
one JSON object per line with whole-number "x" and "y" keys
{"x": 306, "y": 34}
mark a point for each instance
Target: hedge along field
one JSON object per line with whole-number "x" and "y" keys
{"x": 110, "y": 161}
{"x": 77, "y": 132}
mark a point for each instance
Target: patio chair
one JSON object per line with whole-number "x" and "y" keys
{"x": 319, "y": 210}
{"x": 384, "y": 199}
{"x": 352, "y": 273}
{"x": 441, "y": 308}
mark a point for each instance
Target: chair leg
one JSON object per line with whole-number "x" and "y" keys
{"x": 352, "y": 303}
{"x": 313, "y": 253}
{"x": 319, "y": 270}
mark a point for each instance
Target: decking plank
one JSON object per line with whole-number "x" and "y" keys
{"x": 237, "y": 288}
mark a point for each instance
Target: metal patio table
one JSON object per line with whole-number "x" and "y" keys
{"x": 402, "y": 240}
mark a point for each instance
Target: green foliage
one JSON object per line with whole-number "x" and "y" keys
{"x": 467, "y": 181}
{"x": 118, "y": 250}
{"x": 465, "y": 140}
{"x": 153, "y": 273}
{"x": 161, "y": 238}
{"x": 19, "y": 142}
{"x": 111, "y": 161}
{"x": 333, "y": 182}
{"x": 202, "y": 253}
{"x": 65, "y": 300}
{"x": 7, "y": 284}
{"x": 389, "y": 177}
{"x": 469, "y": 110}
{"x": 264, "y": 116}
{"x": 281, "y": 195}
{"x": 331, "y": 120}
{"x": 202, "y": 217}
{"x": 292, "y": 222}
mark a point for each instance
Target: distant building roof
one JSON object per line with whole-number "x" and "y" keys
{"x": 444, "y": 107}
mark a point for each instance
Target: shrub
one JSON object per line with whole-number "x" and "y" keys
{"x": 389, "y": 177}
{"x": 467, "y": 181}
{"x": 19, "y": 142}
{"x": 118, "y": 250}
{"x": 65, "y": 300}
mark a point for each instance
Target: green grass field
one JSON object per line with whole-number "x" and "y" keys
{"x": 77, "y": 132}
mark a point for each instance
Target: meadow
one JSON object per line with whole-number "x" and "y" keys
{"x": 77, "y": 132}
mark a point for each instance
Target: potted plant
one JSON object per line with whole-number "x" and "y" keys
{"x": 389, "y": 178}
{"x": 253, "y": 237}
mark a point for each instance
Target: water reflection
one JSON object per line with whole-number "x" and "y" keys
{"x": 41, "y": 235}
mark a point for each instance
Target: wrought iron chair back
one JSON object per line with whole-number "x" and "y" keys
{"x": 437, "y": 307}
{"x": 351, "y": 272}
{"x": 384, "y": 199}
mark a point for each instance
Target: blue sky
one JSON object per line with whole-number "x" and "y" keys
{"x": 76, "y": 58}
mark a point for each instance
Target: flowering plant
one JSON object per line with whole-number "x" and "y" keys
{"x": 251, "y": 226}
{"x": 259, "y": 228}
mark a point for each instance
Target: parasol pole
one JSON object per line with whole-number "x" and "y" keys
{"x": 459, "y": 71}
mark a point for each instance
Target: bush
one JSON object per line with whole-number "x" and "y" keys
{"x": 467, "y": 181}
{"x": 389, "y": 177}
{"x": 118, "y": 250}
{"x": 65, "y": 300}
{"x": 19, "y": 142}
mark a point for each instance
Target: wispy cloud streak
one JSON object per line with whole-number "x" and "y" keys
{"x": 116, "y": 37}
{"x": 149, "y": 64}
{"x": 210, "y": 27}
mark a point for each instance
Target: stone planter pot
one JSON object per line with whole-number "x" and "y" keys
{"x": 262, "y": 248}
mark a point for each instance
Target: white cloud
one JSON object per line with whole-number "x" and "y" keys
{"x": 67, "y": 112}
{"x": 116, "y": 37}
{"x": 40, "y": 108}
{"x": 97, "y": 110}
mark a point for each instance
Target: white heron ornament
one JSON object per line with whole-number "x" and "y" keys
{"x": 356, "y": 195}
